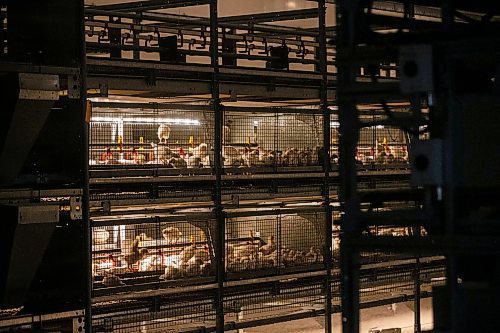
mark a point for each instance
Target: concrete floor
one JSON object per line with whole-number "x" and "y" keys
{"x": 398, "y": 315}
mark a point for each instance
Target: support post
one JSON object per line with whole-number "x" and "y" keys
{"x": 219, "y": 214}
{"x": 323, "y": 99}
{"x": 347, "y": 12}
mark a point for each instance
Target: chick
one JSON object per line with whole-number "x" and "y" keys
{"x": 163, "y": 133}
{"x": 201, "y": 151}
{"x": 135, "y": 253}
{"x": 188, "y": 252}
{"x": 192, "y": 266}
{"x": 171, "y": 234}
{"x": 111, "y": 280}
{"x": 269, "y": 248}
{"x": 194, "y": 162}
{"x": 178, "y": 162}
{"x": 170, "y": 273}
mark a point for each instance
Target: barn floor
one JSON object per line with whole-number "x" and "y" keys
{"x": 398, "y": 315}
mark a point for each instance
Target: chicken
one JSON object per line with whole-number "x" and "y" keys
{"x": 313, "y": 256}
{"x": 178, "y": 162}
{"x": 270, "y": 260}
{"x": 269, "y": 248}
{"x": 194, "y": 162}
{"x": 291, "y": 157}
{"x": 170, "y": 273}
{"x": 267, "y": 158}
{"x": 231, "y": 157}
{"x": 100, "y": 236}
{"x": 163, "y": 133}
{"x": 226, "y": 132}
{"x": 164, "y": 154}
{"x": 111, "y": 280}
{"x": 201, "y": 151}
{"x": 188, "y": 252}
{"x": 144, "y": 237}
{"x": 171, "y": 234}
{"x": 202, "y": 254}
{"x": 135, "y": 253}
{"x": 251, "y": 158}
{"x": 248, "y": 250}
{"x": 192, "y": 266}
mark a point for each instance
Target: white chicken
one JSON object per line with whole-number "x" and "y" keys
{"x": 163, "y": 133}
{"x": 171, "y": 234}
{"x": 201, "y": 151}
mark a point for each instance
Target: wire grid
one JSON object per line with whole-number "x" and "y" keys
{"x": 274, "y": 243}
{"x": 260, "y": 140}
{"x": 116, "y": 193}
{"x": 377, "y": 145}
{"x": 171, "y": 316}
{"x": 131, "y": 137}
{"x": 124, "y": 256}
{"x": 274, "y": 302}
{"x": 276, "y": 188}
{"x": 433, "y": 276}
{"x": 397, "y": 282}
{"x": 3, "y": 32}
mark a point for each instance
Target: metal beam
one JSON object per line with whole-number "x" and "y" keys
{"x": 142, "y": 6}
{"x": 271, "y": 16}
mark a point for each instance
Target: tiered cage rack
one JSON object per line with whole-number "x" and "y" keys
{"x": 219, "y": 136}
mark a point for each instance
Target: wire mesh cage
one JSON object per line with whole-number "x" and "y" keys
{"x": 161, "y": 314}
{"x": 274, "y": 244}
{"x": 277, "y": 302}
{"x": 137, "y": 137}
{"x": 128, "y": 257}
{"x": 378, "y": 146}
{"x": 267, "y": 141}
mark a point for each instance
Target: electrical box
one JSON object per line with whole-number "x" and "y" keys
{"x": 416, "y": 68}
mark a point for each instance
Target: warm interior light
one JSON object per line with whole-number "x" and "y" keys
{"x": 138, "y": 120}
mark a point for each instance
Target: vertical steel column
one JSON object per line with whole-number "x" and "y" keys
{"x": 323, "y": 100}
{"x": 417, "y": 328}
{"x": 87, "y": 227}
{"x": 448, "y": 190}
{"x": 347, "y": 14}
{"x": 219, "y": 215}
{"x": 135, "y": 36}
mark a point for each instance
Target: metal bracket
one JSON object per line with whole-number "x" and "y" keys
{"x": 427, "y": 162}
{"x": 79, "y": 324}
{"x": 74, "y": 86}
{"x": 75, "y": 208}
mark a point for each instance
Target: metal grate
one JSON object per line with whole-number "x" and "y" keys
{"x": 274, "y": 301}
{"x": 156, "y": 315}
{"x": 274, "y": 244}
{"x": 128, "y": 257}
{"x": 167, "y": 138}
{"x": 266, "y": 141}
{"x": 379, "y": 146}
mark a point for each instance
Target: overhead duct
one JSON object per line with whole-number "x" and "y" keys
{"x": 26, "y": 101}
{"x": 26, "y": 231}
